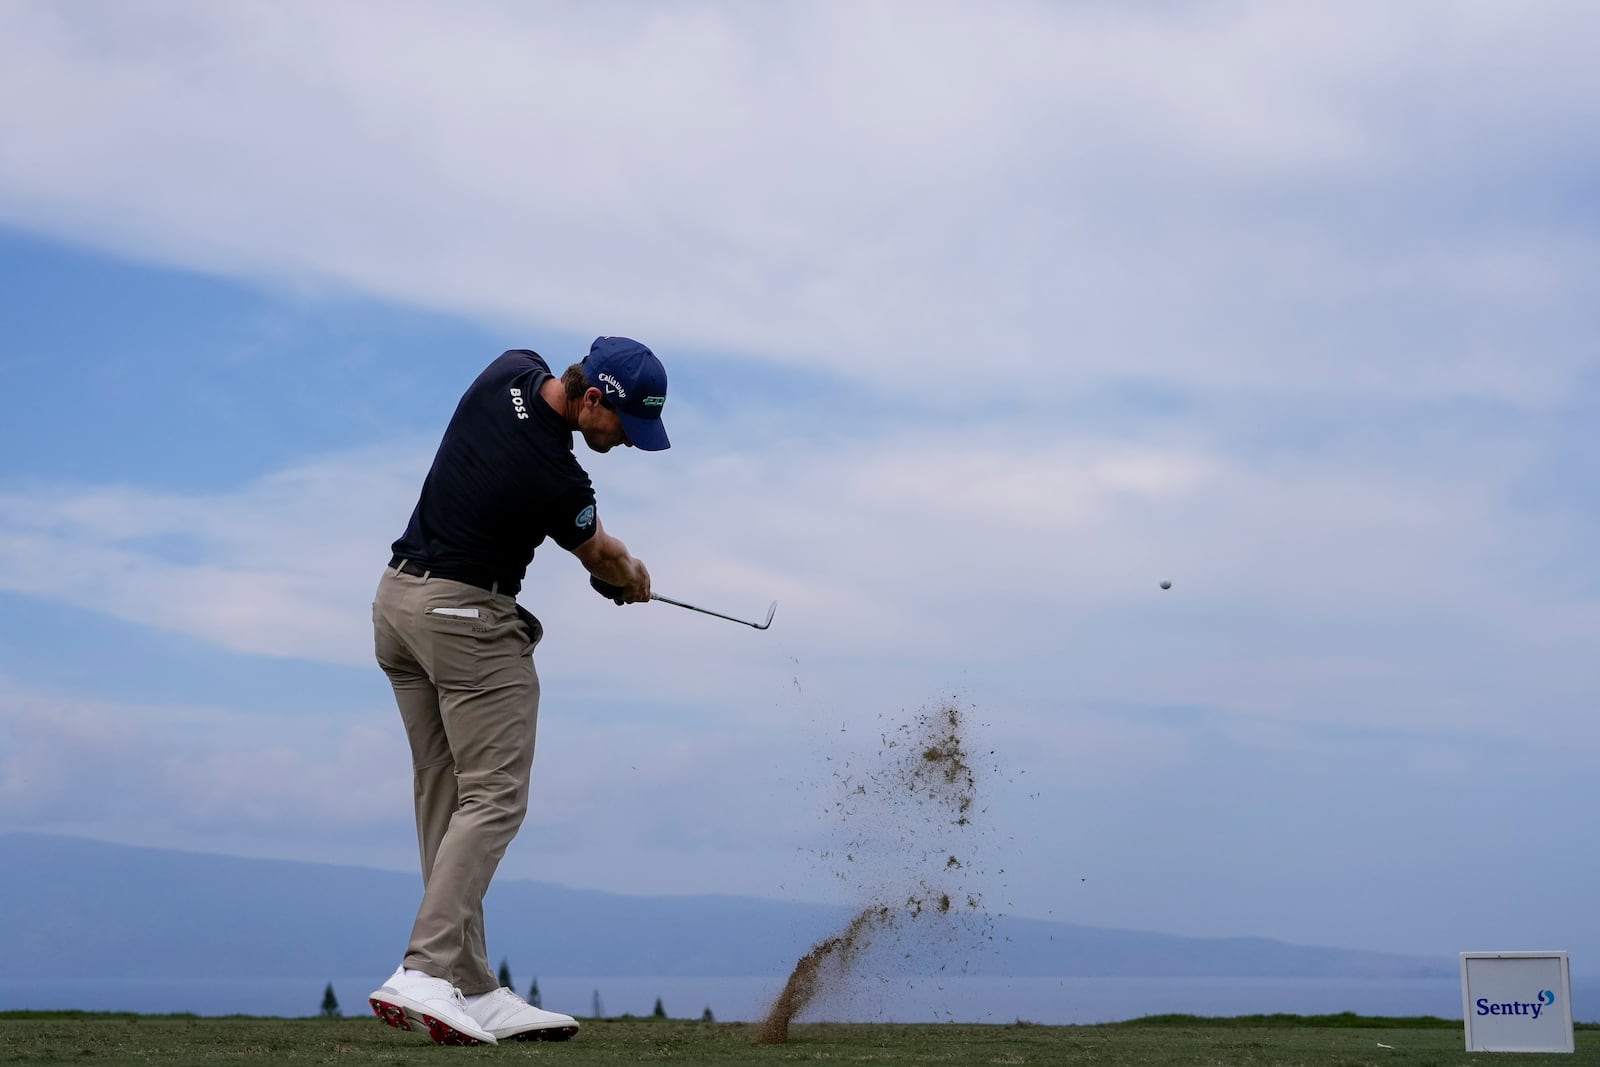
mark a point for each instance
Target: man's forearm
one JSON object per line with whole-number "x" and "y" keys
{"x": 614, "y": 564}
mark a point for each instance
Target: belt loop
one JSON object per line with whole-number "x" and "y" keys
{"x": 494, "y": 587}
{"x": 400, "y": 568}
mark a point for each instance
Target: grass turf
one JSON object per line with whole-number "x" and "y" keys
{"x": 84, "y": 1038}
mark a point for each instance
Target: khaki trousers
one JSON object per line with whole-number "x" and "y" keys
{"x": 460, "y": 660}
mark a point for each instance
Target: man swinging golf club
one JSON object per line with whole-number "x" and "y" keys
{"x": 458, "y": 650}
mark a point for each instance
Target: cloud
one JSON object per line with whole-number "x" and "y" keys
{"x": 1368, "y": 591}
{"x": 1237, "y": 198}
{"x": 1290, "y": 306}
{"x": 185, "y": 773}
{"x": 278, "y": 568}
{"x": 608, "y": 795}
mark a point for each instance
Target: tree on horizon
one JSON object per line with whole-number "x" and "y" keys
{"x": 330, "y": 1004}
{"x": 505, "y": 974}
{"x": 661, "y": 1011}
{"x": 533, "y": 994}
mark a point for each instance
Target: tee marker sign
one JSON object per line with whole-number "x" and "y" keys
{"x": 1516, "y": 1001}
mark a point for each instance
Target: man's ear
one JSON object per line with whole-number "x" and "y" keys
{"x": 591, "y": 396}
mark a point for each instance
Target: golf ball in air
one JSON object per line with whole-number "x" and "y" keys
{"x": 1165, "y": 584}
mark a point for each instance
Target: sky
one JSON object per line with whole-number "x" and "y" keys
{"x": 980, "y": 322}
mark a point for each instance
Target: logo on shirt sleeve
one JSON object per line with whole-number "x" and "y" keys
{"x": 585, "y": 518}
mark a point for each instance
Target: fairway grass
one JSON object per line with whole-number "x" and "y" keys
{"x": 52, "y": 1038}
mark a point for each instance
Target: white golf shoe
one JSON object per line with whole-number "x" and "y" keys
{"x": 411, "y": 1000}
{"x": 509, "y": 1017}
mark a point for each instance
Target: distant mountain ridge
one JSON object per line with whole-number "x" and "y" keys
{"x": 71, "y": 907}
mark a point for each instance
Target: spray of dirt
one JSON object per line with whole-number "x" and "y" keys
{"x": 920, "y": 785}
{"x": 812, "y": 972}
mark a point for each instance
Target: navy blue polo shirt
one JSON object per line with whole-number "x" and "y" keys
{"x": 503, "y": 480}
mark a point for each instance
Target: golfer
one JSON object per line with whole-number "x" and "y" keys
{"x": 458, "y": 650}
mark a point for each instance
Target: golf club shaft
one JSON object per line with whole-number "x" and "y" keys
{"x": 708, "y": 611}
{"x": 612, "y": 592}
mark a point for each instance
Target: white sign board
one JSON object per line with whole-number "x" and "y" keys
{"x": 1516, "y": 1001}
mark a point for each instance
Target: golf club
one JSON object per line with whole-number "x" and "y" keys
{"x": 610, "y": 592}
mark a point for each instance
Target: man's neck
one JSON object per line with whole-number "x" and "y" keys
{"x": 552, "y": 392}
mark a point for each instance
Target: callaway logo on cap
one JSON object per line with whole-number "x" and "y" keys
{"x": 635, "y": 385}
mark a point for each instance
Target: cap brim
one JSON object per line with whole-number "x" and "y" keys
{"x": 648, "y": 434}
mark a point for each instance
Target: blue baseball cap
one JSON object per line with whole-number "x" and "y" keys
{"x": 635, "y": 385}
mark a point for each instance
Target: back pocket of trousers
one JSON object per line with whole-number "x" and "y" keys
{"x": 460, "y": 645}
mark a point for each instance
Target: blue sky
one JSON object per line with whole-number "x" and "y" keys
{"x": 977, "y": 328}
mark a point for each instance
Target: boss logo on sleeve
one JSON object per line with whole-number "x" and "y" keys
{"x": 516, "y": 402}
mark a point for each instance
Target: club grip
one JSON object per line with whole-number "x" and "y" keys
{"x": 606, "y": 589}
